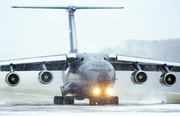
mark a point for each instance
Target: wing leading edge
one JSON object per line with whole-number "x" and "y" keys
{"x": 55, "y": 62}
{"x": 127, "y": 63}
{"x": 60, "y": 62}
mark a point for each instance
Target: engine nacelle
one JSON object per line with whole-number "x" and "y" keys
{"x": 138, "y": 77}
{"x": 12, "y": 79}
{"x": 167, "y": 79}
{"x": 45, "y": 77}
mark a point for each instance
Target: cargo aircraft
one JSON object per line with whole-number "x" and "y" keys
{"x": 87, "y": 75}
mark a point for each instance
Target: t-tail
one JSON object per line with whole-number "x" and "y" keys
{"x": 72, "y": 28}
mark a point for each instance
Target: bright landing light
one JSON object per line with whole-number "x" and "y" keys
{"x": 109, "y": 91}
{"x": 96, "y": 91}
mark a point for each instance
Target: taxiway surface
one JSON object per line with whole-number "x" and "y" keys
{"x": 86, "y": 110}
{"x": 16, "y": 104}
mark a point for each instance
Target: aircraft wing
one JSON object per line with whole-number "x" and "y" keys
{"x": 54, "y": 62}
{"x": 127, "y": 63}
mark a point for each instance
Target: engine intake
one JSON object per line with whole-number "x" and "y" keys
{"x": 12, "y": 79}
{"x": 138, "y": 77}
{"x": 167, "y": 79}
{"x": 45, "y": 77}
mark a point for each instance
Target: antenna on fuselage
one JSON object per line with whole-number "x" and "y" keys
{"x": 72, "y": 28}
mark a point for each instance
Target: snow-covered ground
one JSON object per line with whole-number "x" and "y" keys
{"x": 85, "y": 110}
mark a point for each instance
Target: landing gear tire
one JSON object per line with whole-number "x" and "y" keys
{"x": 101, "y": 103}
{"x": 59, "y": 100}
{"x": 92, "y": 102}
{"x": 69, "y": 100}
{"x": 114, "y": 100}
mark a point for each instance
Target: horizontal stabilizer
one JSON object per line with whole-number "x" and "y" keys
{"x": 66, "y": 7}
{"x": 38, "y": 7}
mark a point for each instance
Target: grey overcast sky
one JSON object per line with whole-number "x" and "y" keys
{"x": 34, "y": 32}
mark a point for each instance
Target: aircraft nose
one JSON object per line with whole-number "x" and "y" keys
{"x": 99, "y": 72}
{"x": 104, "y": 78}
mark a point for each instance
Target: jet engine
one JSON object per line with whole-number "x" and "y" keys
{"x": 138, "y": 77}
{"x": 12, "y": 79}
{"x": 45, "y": 77}
{"x": 167, "y": 79}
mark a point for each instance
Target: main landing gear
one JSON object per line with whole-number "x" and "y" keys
{"x": 103, "y": 101}
{"x": 69, "y": 100}
{"x": 60, "y": 100}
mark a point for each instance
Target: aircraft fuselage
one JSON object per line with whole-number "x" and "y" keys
{"x": 90, "y": 72}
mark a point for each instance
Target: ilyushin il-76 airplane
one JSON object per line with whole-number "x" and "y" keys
{"x": 87, "y": 75}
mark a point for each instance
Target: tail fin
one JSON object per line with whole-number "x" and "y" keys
{"x": 72, "y": 28}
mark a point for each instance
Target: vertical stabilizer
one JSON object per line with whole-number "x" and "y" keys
{"x": 72, "y": 28}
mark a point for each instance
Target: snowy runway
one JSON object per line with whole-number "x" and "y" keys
{"x": 86, "y": 110}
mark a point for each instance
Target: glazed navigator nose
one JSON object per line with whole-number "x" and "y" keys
{"x": 104, "y": 78}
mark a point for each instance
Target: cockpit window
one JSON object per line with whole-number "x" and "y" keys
{"x": 100, "y": 66}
